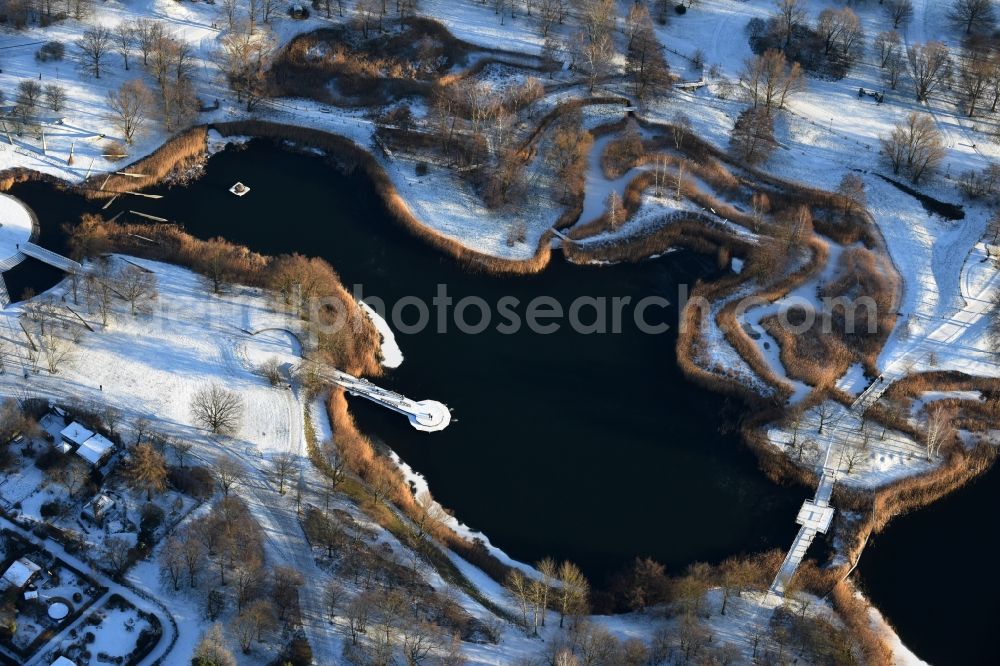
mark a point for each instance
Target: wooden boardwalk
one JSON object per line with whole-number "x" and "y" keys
{"x": 51, "y": 258}
{"x": 426, "y": 415}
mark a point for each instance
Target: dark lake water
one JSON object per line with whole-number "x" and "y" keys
{"x": 587, "y": 447}
{"x": 933, "y": 574}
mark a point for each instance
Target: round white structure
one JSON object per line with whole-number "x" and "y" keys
{"x": 430, "y": 416}
{"x": 17, "y": 227}
{"x": 58, "y": 610}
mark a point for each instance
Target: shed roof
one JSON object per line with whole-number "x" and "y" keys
{"x": 94, "y": 449}
{"x": 20, "y": 571}
{"x": 75, "y": 433}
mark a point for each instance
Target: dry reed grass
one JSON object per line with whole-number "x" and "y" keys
{"x": 362, "y": 459}
{"x": 178, "y": 152}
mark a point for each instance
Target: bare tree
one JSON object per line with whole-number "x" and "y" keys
{"x": 217, "y": 409}
{"x": 975, "y": 77}
{"x": 549, "y": 573}
{"x": 271, "y": 370}
{"x": 358, "y": 611}
{"x": 247, "y": 569}
{"x": 333, "y": 596}
{"x": 283, "y": 465}
{"x": 790, "y": 16}
{"x": 244, "y": 57}
{"x": 900, "y": 12}
{"x": 367, "y": 16}
{"x": 822, "y": 412}
{"x": 598, "y": 18}
{"x": 194, "y": 556}
{"x": 752, "y": 137}
{"x": 852, "y": 188}
{"x": 769, "y": 80}
{"x": 124, "y": 38}
{"x": 429, "y": 514}
{"x": 261, "y": 615}
{"x": 894, "y": 68}
{"x": 129, "y": 107}
{"x": 212, "y": 649}
{"x": 135, "y": 285}
{"x": 550, "y": 13}
{"x": 520, "y": 588}
{"x": 420, "y": 639}
{"x": 596, "y": 56}
{"x": 573, "y": 593}
{"x": 181, "y": 448}
{"x": 172, "y": 562}
{"x": 57, "y": 350}
{"x": 94, "y": 45}
{"x": 243, "y": 628}
{"x": 886, "y": 45}
{"x": 840, "y": 30}
{"x": 229, "y": 472}
{"x": 285, "y": 584}
{"x": 112, "y": 418}
{"x": 645, "y": 62}
{"x": 147, "y": 33}
{"x": 914, "y": 145}
{"x": 939, "y": 430}
{"x": 680, "y": 128}
{"x": 117, "y": 554}
{"x": 55, "y": 97}
{"x": 930, "y": 67}
{"x": 852, "y": 456}
{"x": 972, "y": 15}
{"x": 29, "y": 93}
{"x": 97, "y": 291}
{"x": 72, "y": 476}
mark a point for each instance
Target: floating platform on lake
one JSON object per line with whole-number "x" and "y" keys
{"x": 239, "y": 189}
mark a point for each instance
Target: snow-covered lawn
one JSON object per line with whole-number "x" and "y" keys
{"x": 865, "y": 454}
{"x": 151, "y": 365}
{"x": 113, "y": 631}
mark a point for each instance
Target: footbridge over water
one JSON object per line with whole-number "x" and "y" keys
{"x": 425, "y": 415}
{"x": 18, "y": 231}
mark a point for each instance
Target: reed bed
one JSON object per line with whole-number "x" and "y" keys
{"x": 738, "y": 337}
{"x": 362, "y": 459}
{"x": 180, "y": 151}
{"x": 15, "y": 175}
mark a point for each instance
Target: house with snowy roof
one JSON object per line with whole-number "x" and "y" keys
{"x": 20, "y": 573}
{"x": 96, "y": 450}
{"x": 75, "y": 434}
{"x": 97, "y": 508}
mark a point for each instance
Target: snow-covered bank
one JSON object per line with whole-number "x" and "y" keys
{"x": 392, "y": 355}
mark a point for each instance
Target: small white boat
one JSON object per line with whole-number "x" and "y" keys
{"x": 239, "y": 189}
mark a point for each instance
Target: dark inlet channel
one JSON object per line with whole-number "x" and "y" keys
{"x": 587, "y": 447}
